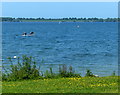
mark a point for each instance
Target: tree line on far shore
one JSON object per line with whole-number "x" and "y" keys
{"x": 10, "y": 19}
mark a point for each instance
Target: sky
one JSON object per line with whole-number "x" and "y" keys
{"x": 60, "y": 9}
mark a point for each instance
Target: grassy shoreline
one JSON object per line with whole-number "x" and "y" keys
{"x": 107, "y": 84}
{"x": 25, "y": 77}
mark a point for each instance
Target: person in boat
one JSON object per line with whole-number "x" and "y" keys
{"x": 24, "y": 34}
{"x": 31, "y": 33}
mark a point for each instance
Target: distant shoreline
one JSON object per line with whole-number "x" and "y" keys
{"x": 9, "y": 19}
{"x": 52, "y": 22}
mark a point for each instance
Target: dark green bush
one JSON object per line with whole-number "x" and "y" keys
{"x": 113, "y": 74}
{"x": 89, "y": 74}
{"x": 63, "y": 72}
{"x": 22, "y": 70}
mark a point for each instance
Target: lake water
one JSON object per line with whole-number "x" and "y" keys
{"x": 83, "y": 45}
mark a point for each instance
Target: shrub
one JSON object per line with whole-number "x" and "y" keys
{"x": 89, "y": 73}
{"x": 22, "y": 70}
{"x": 49, "y": 74}
{"x": 113, "y": 74}
{"x": 63, "y": 72}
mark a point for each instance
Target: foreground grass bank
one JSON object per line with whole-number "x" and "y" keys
{"x": 64, "y": 85}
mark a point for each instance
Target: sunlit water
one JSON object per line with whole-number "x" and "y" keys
{"x": 84, "y": 45}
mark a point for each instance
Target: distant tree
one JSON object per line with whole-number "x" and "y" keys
{"x": 63, "y": 19}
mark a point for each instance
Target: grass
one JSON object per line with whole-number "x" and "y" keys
{"x": 25, "y": 78}
{"x": 63, "y": 85}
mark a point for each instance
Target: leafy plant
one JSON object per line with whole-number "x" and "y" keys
{"x": 113, "y": 74}
{"x": 63, "y": 72}
{"x": 89, "y": 73}
{"x": 22, "y": 70}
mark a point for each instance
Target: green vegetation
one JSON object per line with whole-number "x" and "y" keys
{"x": 24, "y": 77}
{"x": 10, "y": 19}
{"x": 89, "y": 73}
{"x": 22, "y": 70}
{"x": 64, "y": 85}
{"x": 26, "y": 68}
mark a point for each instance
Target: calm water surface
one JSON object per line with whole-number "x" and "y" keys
{"x": 82, "y": 45}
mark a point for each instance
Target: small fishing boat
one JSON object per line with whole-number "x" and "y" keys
{"x": 25, "y": 34}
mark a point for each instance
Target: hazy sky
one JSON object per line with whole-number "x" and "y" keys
{"x": 60, "y": 9}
